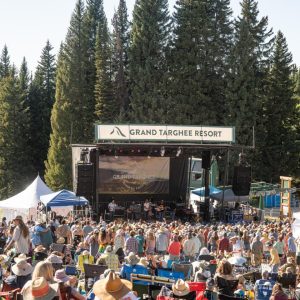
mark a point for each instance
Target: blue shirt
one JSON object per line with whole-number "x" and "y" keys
{"x": 291, "y": 244}
{"x": 263, "y": 289}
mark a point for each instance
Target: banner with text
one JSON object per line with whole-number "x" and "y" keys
{"x": 133, "y": 175}
{"x": 165, "y": 133}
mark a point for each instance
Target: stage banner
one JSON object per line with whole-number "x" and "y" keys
{"x": 133, "y": 175}
{"x": 164, "y": 133}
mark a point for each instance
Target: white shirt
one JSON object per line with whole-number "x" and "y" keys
{"x": 21, "y": 243}
{"x": 112, "y": 206}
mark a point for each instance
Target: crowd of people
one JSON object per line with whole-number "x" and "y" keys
{"x": 48, "y": 261}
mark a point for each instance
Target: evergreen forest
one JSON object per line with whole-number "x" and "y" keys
{"x": 196, "y": 66}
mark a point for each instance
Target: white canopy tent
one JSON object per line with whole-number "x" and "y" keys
{"x": 296, "y": 225}
{"x": 25, "y": 203}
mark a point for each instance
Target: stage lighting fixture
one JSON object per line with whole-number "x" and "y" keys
{"x": 162, "y": 151}
{"x": 179, "y": 151}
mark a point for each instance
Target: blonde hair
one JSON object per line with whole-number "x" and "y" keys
{"x": 43, "y": 269}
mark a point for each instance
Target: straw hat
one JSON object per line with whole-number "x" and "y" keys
{"x": 112, "y": 287}
{"x": 39, "y": 248}
{"x": 290, "y": 260}
{"x": 40, "y": 289}
{"x": 22, "y": 268}
{"x": 61, "y": 276}
{"x": 85, "y": 252}
{"x": 132, "y": 259}
{"x": 60, "y": 240}
{"x": 21, "y": 256}
{"x": 143, "y": 262}
{"x": 3, "y": 258}
{"x": 180, "y": 288}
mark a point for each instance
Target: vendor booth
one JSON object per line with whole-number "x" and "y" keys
{"x": 25, "y": 203}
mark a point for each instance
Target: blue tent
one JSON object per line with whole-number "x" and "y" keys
{"x": 201, "y": 191}
{"x": 63, "y": 198}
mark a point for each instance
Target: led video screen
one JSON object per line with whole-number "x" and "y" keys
{"x": 133, "y": 175}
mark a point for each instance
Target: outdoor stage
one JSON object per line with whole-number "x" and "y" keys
{"x": 131, "y": 169}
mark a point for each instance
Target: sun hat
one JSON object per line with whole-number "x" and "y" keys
{"x": 143, "y": 262}
{"x": 40, "y": 248}
{"x": 290, "y": 260}
{"x": 18, "y": 218}
{"x": 61, "y": 276}
{"x": 85, "y": 252}
{"x": 180, "y": 288}
{"x": 108, "y": 248}
{"x": 112, "y": 287}
{"x": 60, "y": 240}
{"x": 21, "y": 256}
{"x": 40, "y": 289}
{"x": 22, "y": 268}
{"x": 132, "y": 259}
{"x": 55, "y": 259}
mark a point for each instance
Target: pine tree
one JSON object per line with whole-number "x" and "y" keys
{"x": 250, "y": 60}
{"x": 121, "y": 36}
{"x": 199, "y": 61}
{"x": 58, "y": 164}
{"x": 24, "y": 79}
{"x": 5, "y": 67}
{"x": 94, "y": 14}
{"x": 280, "y": 152}
{"x": 41, "y": 97}
{"x": 105, "y": 108}
{"x": 71, "y": 119}
{"x": 149, "y": 40}
{"x": 14, "y": 123}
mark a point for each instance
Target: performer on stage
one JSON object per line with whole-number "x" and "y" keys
{"x": 160, "y": 211}
{"x": 112, "y": 208}
{"x": 147, "y": 208}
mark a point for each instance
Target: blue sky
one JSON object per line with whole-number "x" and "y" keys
{"x": 25, "y": 25}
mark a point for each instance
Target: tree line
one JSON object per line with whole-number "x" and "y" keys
{"x": 198, "y": 66}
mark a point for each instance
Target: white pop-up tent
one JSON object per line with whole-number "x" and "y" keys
{"x": 25, "y": 203}
{"x": 296, "y": 225}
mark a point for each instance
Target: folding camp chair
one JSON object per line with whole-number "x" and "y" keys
{"x": 92, "y": 271}
{"x": 170, "y": 274}
{"x": 186, "y": 269}
{"x": 58, "y": 247}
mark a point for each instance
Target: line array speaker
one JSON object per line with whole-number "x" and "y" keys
{"x": 241, "y": 182}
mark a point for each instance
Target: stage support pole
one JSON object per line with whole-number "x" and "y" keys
{"x": 206, "y": 167}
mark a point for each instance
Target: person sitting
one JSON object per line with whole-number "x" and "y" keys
{"x": 40, "y": 253}
{"x": 40, "y": 288}
{"x": 131, "y": 266}
{"x": 84, "y": 258}
{"x": 290, "y": 264}
{"x": 110, "y": 259}
{"x": 21, "y": 274}
{"x": 203, "y": 273}
{"x": 226, "y": 282}
{"x": 66, "y": 285}
{"x": 112, "y": 287}
{"x": 278, "y": 293}
{"x": 181, "y": 290}
{"x": 209, "y": 292}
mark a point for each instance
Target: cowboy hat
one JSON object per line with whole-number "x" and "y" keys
{"x": 131, "y": 259}
{"x": 60, "y": 240}
{"x": 21, "y": 256}
{"x": 61, "y": 276}
{"x": 180, "y": 288}
{"x": 22, "y": 268}
{"x": 39, "y": 248}
{"x": 40, "y": 289}
{"x": 143, "y": 262}
{"x": 112, "y": 287}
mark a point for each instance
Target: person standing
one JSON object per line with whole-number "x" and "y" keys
{"x": 224, "y": 244}
{"x": 189, "y": 248}
{"x": 162, "y": 241}
{"x": 263, "y": 287}
{"x": 141, "y": 242}
{"x": 131, "y": 244}
{"x": 275, "y": 260}
{"x": 291, "y": 244}
{"x": 20, "y": 238}
{"x": 147, "y": 208}
{"x": 112, "y": 208}
{"x": 257, "y": 250}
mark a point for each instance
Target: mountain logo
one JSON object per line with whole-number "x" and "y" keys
{"x": 118, "y": 131}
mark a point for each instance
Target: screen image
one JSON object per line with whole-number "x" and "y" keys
{"x": 133, "y": 175}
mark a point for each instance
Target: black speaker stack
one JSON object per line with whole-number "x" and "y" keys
{"x": 84, "y": 180}
{"x": 241, "y": 182}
